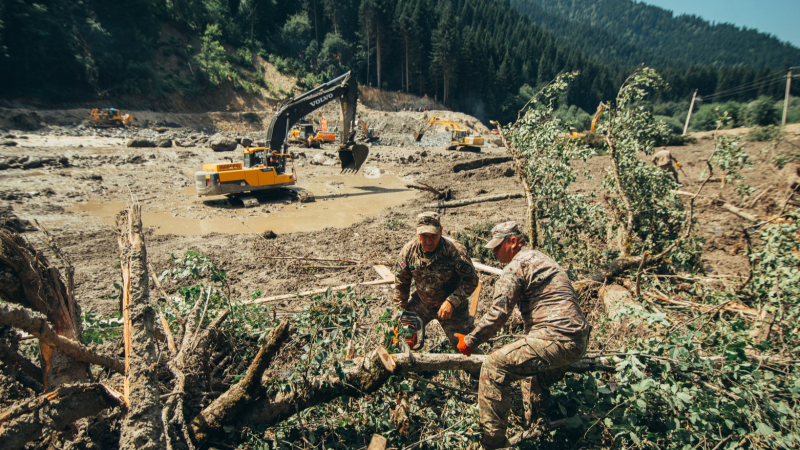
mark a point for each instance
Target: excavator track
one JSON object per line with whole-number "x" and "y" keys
{"x": 302, "y": 195}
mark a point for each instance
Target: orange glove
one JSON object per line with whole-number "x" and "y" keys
{"x": 462, "y": 346}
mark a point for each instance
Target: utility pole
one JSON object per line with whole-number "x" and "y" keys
{"x": 689, "y": 117}
{"x": 786, "y": 101}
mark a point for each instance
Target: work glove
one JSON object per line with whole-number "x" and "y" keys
{"x": 678, "y": 164}
{"x": 462, "y": 346}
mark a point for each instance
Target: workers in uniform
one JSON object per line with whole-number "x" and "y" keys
{"x": 555, "y": 327}
{"x": 663, "y": 160}
{"x": 443, "y": 275}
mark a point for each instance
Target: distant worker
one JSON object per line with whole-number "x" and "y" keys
{"x": 444, "y": 277}
{"x": 555, "y": 326}
{"x": 323, "y": 122}
{"x": 663, "y": 160}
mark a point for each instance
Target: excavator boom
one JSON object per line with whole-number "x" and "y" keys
{"x": 342, "y": 88}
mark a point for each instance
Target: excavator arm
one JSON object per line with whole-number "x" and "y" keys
{"x": 342, "y": 88}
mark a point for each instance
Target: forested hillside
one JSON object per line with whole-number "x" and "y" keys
{"x": 630, "y": 32}
{"x": 480, "y": 57}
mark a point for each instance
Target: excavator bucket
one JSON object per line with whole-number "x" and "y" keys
{"x": 418, "y": 135}
{"x": 353, "y": 157}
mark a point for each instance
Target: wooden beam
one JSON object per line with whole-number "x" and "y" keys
{"x": 473, "y": 307}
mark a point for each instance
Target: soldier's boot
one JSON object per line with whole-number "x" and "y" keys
{"x": 536, "y": 400}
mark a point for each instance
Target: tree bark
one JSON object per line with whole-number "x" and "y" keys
{"x": 28, "y": 279}
{"x": 478, "y": 163}
{"x": 28, "y": 420}
{"x": 473, "y": 200}
{"x": 36, "y": 324}
{"x": 142, "y": 428}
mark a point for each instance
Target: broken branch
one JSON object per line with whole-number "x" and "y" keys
{"x": 37, "y": 325}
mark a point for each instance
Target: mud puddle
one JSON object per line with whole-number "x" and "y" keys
{"x": 340, "y": 202}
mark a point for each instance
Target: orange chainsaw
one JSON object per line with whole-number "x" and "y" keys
{"x": 411, "y": 329}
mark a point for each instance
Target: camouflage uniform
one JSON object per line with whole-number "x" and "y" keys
{"x": 557, "y": 335}
{"x": 446, "y": 273}
{"x": 664, "y": 160}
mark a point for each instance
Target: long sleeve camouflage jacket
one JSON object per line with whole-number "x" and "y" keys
{"x": 545, "y": 297}
{"x": 446, "y": 274}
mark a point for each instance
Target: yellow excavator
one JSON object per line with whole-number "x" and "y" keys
{"x": 304, "y": 134}
{"x": 573, "y": 134}
{"x": 108, "y": 117}
{"x": 272, "y": 167}
{"x": 368, "y": 134}
{"x": 460, "y": 139}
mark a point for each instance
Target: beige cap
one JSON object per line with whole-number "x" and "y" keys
{"x": 428, "y": 222}
{"x": 501, "y": 231}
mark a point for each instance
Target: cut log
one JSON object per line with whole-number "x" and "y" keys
{"x": 487, "y": 269}
{"x": 471, "y": 201}
{"x": 142, "y": 427}
{"x": 29, "y": 420}
{"x": 478, "y": 163}
{"x": 739, "y": 212}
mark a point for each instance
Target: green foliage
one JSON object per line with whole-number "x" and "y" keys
{"x": 775, "y": 285}
{"x": 761, "y": 112}
{"x": 730, "y": 157}
{"x": 761, "y": 134}
{"x": 212, "y": 58}
{"x": 395, "y": 224}
{"x": 573, "y": 222}
{"x": 475, "y": 238}
{"x": 648, "y": 214}
{"x": 97, "y": 330}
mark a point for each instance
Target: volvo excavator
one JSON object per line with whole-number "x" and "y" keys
{"x": 460, "y": 139}
{"x": 272, "y": 167}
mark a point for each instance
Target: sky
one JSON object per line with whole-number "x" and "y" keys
{"x": 780, "y": 18}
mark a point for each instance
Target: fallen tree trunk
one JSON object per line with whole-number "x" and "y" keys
{"x": 29, "y": 420}
{"x": 470, "y": 201}
{"x": 142, "y": 428}
{"x": 239, "y": 396}
{"x": 37, "y": 325}
{"x": 368, "y": 376}
{"x": 478, "y": 163}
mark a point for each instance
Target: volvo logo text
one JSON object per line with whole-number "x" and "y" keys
{"x": 320, "y": 100}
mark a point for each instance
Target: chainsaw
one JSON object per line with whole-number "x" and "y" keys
{"x": 411, "y": 329}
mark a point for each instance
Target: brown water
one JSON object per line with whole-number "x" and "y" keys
{"x": 341, "y": 200}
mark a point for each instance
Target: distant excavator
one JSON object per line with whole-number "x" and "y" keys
{"x": 265, "y": 168}
{"x": 460, "y": 139}
{"x": 368, "y": 134}
{"x": 108, "y": 117}
{"x": 575, "y": 135}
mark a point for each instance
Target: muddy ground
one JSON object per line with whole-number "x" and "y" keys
{"x": 83, "y": 177}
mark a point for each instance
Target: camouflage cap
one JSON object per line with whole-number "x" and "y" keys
{"x": 501, "y": 231}
{"x": 428, "y": 222}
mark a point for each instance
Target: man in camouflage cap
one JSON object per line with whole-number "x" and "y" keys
{"x": 443, "y": 275}
{"x": 555, "y": 327}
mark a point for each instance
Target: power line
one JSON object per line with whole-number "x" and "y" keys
{"x": 744, "y": 88}
{"x": 749, "y": 84}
